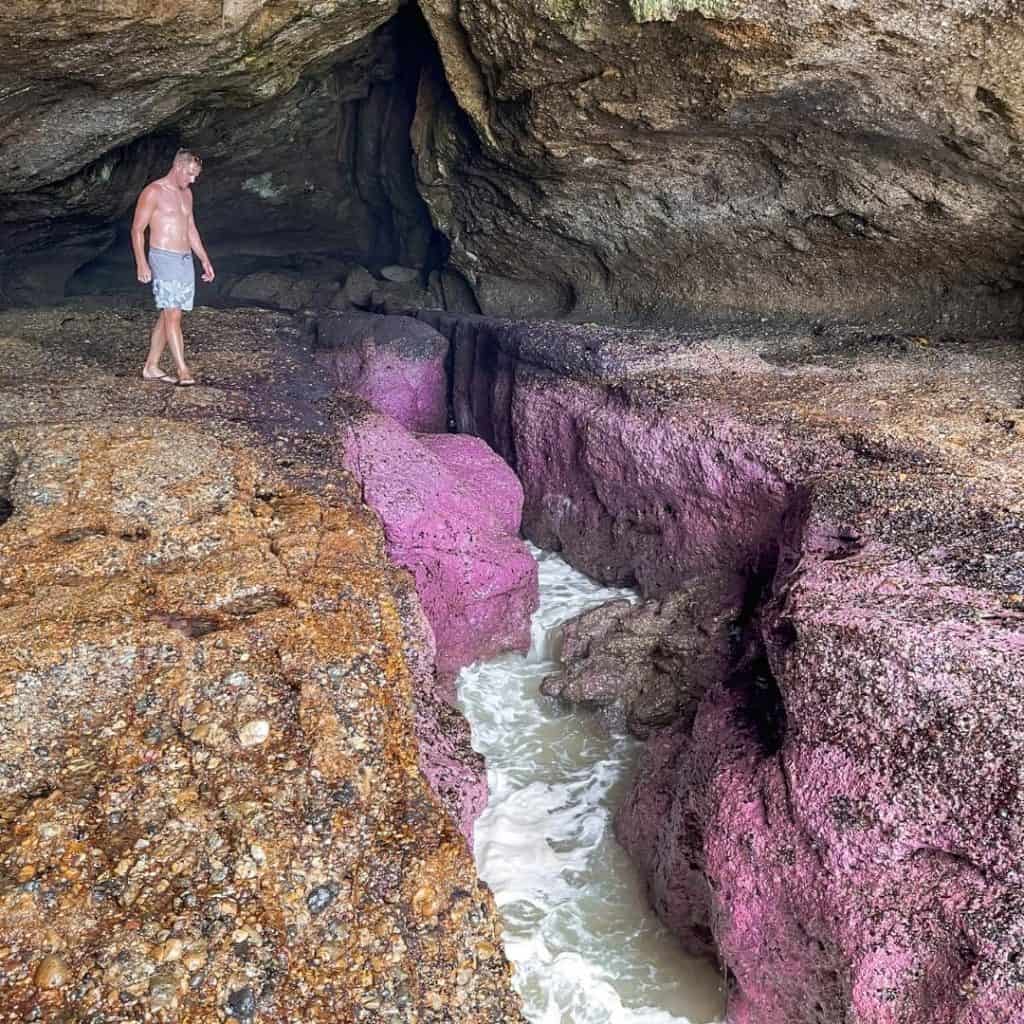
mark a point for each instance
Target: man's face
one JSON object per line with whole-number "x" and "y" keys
{"x": 192, "y": 171}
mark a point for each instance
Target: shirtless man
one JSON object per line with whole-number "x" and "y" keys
{"x": 165, "y": 207}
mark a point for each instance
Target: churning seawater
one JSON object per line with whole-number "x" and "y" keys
{"x": 586, "y": 947}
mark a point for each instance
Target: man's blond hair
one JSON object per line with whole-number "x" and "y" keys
{"x": 186, "y": 156}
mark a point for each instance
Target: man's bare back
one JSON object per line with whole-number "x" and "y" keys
{"x": 164, "y": 208}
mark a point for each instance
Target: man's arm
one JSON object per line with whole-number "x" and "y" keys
{"x": 143, "y": 215}
{"x": 196, "y": 245}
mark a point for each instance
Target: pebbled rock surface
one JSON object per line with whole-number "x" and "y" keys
{"x": 260, "y": 390}
{"x": 644, "y": 160}
{"x": 395, "y": 363}
{"x": 837, "y": 816}
{"x": 209, "y": 787}
{"x": 450, "y": 509}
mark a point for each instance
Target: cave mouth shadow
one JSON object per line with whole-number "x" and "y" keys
{"x": 302, "y": 188}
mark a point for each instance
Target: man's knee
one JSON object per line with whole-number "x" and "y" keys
{"x": 172, "y": 317}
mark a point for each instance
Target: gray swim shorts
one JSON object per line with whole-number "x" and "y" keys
{"x": 174, "y": 278}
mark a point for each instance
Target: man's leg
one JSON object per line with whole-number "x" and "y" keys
{"x": 157, "y": 341}
{"x": 176, "y": 343}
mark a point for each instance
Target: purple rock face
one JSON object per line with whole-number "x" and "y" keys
{"x": 450, "y": 508}
{"x": 633, "y": 498}
{"x": 841, "y": 818}
{"x": 395, "y": 363}
{"x": 452, "y": 768}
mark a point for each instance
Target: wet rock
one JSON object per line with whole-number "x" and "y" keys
{"x": 831, "y": 815}
{"x": 160, "y": 849}
{"x": 401, "y": 297}
{"x": 397, "y": 364}
{"x": 506, "y": 297}
{"x": 650, "y": 665}
{"x": 52, "y": 972}
{"x": 452, "y": 292}
{"x": 242, "y": 1003}
{"x": 321, "y": 898}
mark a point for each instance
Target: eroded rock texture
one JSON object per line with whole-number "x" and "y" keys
{"x": 632, "y": 160}
{"x": 836, "y": 812}
{"x": 647, "y": 666}
{"x": 291, "y": 522}
{"x": 646, "y": 159}
{"x": 209, "y": 788}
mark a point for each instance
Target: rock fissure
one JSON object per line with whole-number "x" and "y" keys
{"x": 805, "y": 698}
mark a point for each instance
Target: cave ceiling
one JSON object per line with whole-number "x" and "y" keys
{"x": 614, "y": 159}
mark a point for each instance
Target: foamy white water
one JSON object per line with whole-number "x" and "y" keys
{"x": 586, "y": 947}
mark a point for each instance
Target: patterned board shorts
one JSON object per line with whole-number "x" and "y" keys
{"x": 174, "y": 278}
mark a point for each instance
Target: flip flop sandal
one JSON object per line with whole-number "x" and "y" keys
{"x": 161, "y": 378}
{"x": 190, "y": 383}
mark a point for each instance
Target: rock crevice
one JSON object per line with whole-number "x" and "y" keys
{"x": 864, "y": 704}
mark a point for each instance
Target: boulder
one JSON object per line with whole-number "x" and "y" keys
{"x": 510, "y": 297}
{"x": 402, "y": 297}
{"x": 450, "y": 510}
{"x": 395, "y": 363}
{"x": 400, "y": 275}
{"x": 277, "y": 291}
{"x": 358, "y": 287}
{"x": 649, "y": 665}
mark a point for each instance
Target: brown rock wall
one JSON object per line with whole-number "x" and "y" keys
{"x": 798, "y": 158}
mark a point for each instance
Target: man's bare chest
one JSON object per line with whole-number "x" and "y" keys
{"x": 174, "y": 205}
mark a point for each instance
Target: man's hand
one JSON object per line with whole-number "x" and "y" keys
{"x": 143, "y": 273}
{"x": 208, "y": 274}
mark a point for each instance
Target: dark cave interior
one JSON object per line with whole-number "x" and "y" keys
{"x": 296, "y": 192}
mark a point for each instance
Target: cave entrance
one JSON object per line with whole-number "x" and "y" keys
{"x": 301, "y": 191}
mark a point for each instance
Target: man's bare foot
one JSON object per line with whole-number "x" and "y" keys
{"x": 163, "y": 378}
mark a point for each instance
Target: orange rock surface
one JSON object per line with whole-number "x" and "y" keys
{"x": 210, "y": 803}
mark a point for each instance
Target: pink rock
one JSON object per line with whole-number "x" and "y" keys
{"x": 395, "y": 363}
{"x": 450, "y": 507}
{"x": 635, "y": 498}
{"x": 842, "y": 820}
{"x": 452, "y": 768}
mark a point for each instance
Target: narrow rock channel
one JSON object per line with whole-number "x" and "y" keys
{"x": 578, "y": 927}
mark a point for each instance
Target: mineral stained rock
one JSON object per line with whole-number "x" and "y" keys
{"x": 209, "y": 789}
{"x": 837, "y": 816}
{"x": 395, "y": 363}
{"x": 451, "y": 511}
{"x": 643, "y": 160}
{"x": 281, "y": 523}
